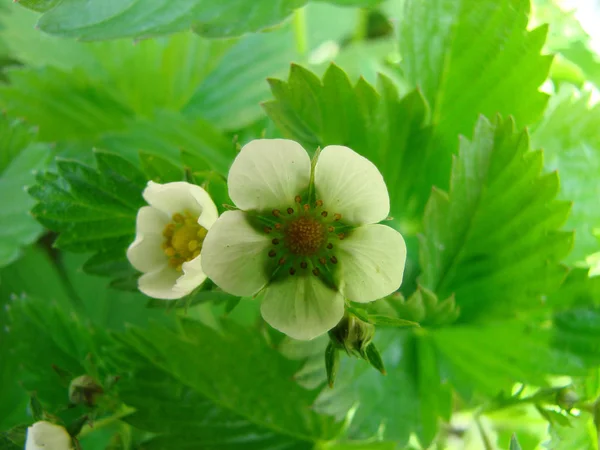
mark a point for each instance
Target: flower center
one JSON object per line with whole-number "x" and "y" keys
{"x": 183, "y": 239}
{"x": 304, "y": 236}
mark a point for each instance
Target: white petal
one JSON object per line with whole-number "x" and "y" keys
{"x": 372, "y": 260}
{"x": 302, "y": 307}
{"x": 151, "y": 221}
{"x": 351, "y": 185}
{"x": 160, "y": 283}
{"x": 179, "y": 197}
{"x": 193, "y": 276}
{"x": 145, "y": 253}
{"x": 234, "y": 254}
{"x": 47, "y": 436}
{"x": 268, "y": 173}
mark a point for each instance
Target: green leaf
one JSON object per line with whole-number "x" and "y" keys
{"x": 184, "y": 419}
{"x": 222, "y": 367}
{"x": 166, "y": 134}
{"x": 578, "y": 289}
{"x": 19, "y": 159}
{"x": 462, "y": 77}
{"x": 413, "y": 375}
{"x": 389, "y": 130}
{"x": 493, "y": 241}
{"x": 491, "y": 359}
{"x": 93, "y": 210}
{"x": 569, "y": 136}
{"x": 110, "y": 19}
{"x": 64, "y": 105}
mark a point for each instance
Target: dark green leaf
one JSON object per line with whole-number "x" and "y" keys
{"x": 493, "y": 241}
{"x": 234, "y": 370}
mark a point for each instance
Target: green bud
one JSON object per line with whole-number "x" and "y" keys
{"x": 566, "y": 398}
{"x": 84, "y": 390}
{"x": 352, "y": 335}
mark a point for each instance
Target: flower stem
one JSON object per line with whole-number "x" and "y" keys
{"x": 362, "y": 25}
{"x": 124, "y": 411}
{"x": 299, "y": 22}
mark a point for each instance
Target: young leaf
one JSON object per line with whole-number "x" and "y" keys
{"x": 493, "y": 241}
{"x": 110, "y": 19}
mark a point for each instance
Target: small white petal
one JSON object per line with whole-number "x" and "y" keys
{"x": 145, "y": 253}
{"x": 268, "y": 173}
{"x": 351, "y": 185}
{"x": 234, "y": 254}
{"x": 160, "y": 283}
{"x": 193, "y": 276}
{"x": 179, "y": 197}
{"x": 151, "y": 221}
{"x": 47, "y": 436}
{"x": 302, "y": 307}
{"x": 372, "y": 260}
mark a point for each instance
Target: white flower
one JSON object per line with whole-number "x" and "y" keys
{"x": 47, "y": 436}
{"x": 309, "y": 244}
{"x": 169, "y": 238}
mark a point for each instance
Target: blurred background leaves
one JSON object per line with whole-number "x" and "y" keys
{"x": 169, "y": 91}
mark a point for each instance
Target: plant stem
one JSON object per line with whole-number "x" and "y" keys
{"x": 124, "y": 411}
{"x": 300, "y": 31}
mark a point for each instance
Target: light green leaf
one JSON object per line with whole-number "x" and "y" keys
{"x": 19, "y": 159}
{"x": 571, "y": 142}
{"x": 110, "y": 19}
{"x": 472, "y": 57}
{"x": 413, "y": 375}
{"x": 222, "y": 367}
{"x": 493, "y": 241}
{"x": 491, "y": 359}
{"x": 64, "y": 105}
{"x": 389, "y": 130}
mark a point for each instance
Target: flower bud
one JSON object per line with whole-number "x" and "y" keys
{"x": 566, "y": 398}
{"x": 84, "y": 390}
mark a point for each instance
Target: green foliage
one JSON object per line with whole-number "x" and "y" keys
{"x": 94, "y": 210}
{"x": 462, "y": 77}
{"x": 493, "y": 241}
{"x": 19, "y": 159}
{"x": 569, "y": 136}
{"x": 98, "y": 20}
{"x": 220, "y": 370}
